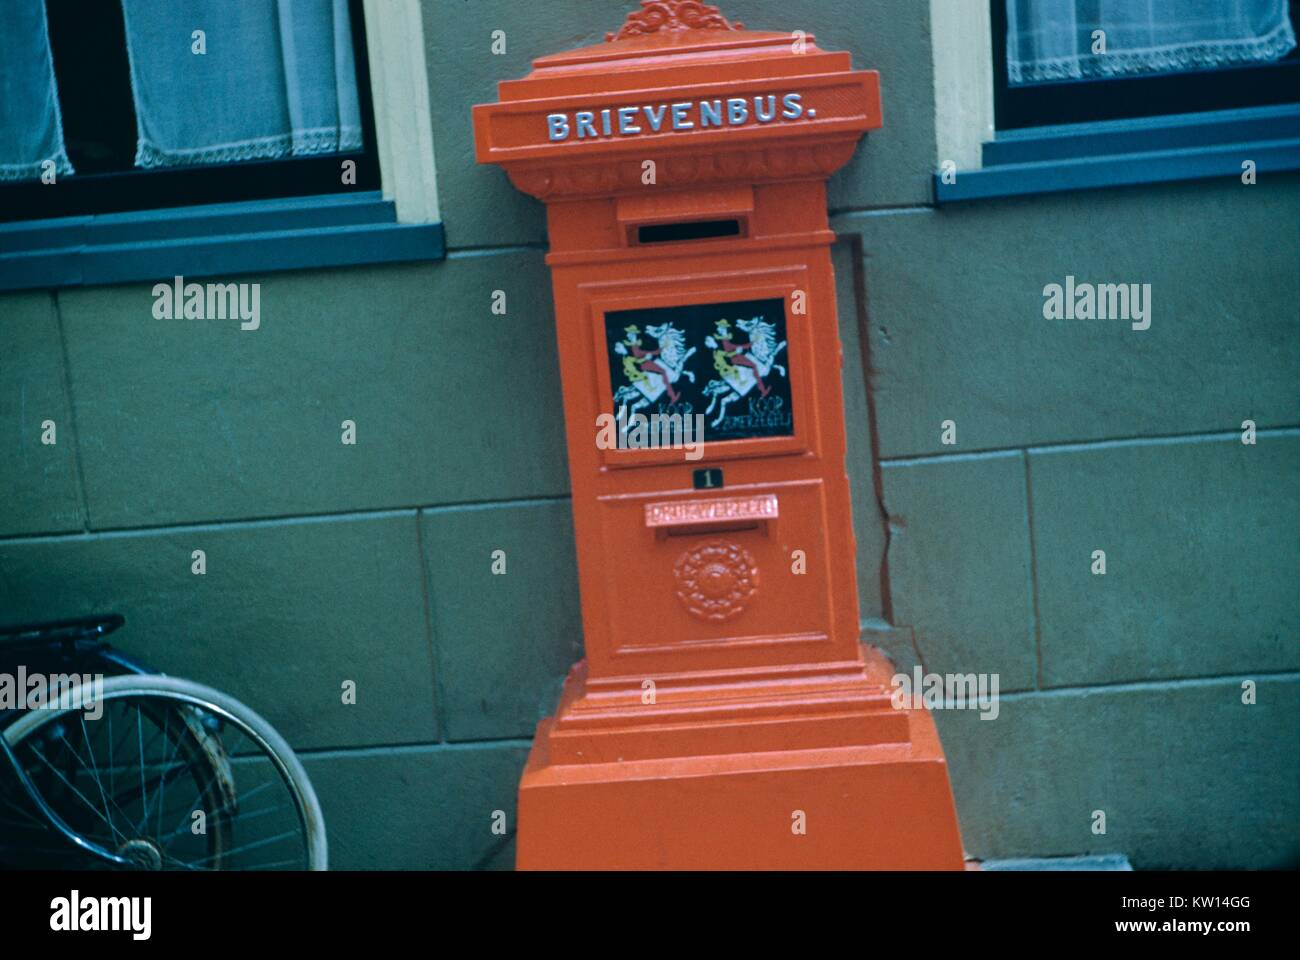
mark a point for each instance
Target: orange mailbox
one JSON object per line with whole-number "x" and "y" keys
{"x": 726, "y": 714}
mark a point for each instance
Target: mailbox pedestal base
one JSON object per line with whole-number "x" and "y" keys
{"x": 877, "y": 801}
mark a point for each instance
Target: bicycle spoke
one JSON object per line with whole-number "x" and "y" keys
{"x": 273, "y": 866}
{"x": 125, "y": 737}
{"x": 243, "y": 817}
{"x": 131, "y": 794}
{"x": 28, "y": 819}
{"x": 182, "y": 864}
{"x": 77, "y": 756}
{"x": 95, "y": 768}
{"x": 224, "y": 808}
{"x": 122, "y": 741}
{"x": 111, "y": 787}
{"x": 162, "y": 782}
{"x": 139, "y": 728}
{"x": 90, "y": 806}
{"x": 253, "y": 846}
{"x": 162, "y": 786}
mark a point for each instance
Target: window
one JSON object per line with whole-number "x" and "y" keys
{"x": 144, "y": 104}
{"x": 1046, "y": 96}
{"x": 1161, "y": 57}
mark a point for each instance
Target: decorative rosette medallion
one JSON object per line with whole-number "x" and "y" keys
{"x": 656, "y": 15}
{"x": 716, "y": 579}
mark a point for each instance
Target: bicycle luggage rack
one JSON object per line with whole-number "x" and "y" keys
{"x": 54, "y": 631}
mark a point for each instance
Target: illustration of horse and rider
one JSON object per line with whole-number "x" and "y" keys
{"x": 648, "y": 377}
{"x": 741, "y": 366}
{"x": 651, "y": 372}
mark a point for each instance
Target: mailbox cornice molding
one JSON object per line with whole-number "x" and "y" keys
{"x": 683, "y": 168}
{"x": 584, "y": 122}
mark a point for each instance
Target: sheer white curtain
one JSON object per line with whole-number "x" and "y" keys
{"x": 1053, "y": 39}
{"x": 275, "y": 78}
{"x": 31, "y": 126}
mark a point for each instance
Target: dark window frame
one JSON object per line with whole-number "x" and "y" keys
{"x": 165, "y": 187}
{"x": 1093, "y": 100}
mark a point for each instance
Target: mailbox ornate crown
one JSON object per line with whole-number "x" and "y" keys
{"x": 657, "y": 15}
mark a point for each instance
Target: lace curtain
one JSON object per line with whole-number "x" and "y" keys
{"x": 31, "y": 127}
{"x": 1053, "y": 39}
{"x": 275, "y": 78}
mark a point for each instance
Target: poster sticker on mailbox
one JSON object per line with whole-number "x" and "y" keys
{"x": 725, "y": 361}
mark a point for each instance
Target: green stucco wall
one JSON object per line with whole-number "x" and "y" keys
{"x": 328, "y": 563}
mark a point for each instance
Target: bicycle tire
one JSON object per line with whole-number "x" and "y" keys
{"x": 250, "y": 723}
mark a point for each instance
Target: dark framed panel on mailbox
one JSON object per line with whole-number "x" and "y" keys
{"x": 728, "y": 359}
{"x": 781, "y": 422}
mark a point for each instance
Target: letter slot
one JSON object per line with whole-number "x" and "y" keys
{"x": 716, "y": 514}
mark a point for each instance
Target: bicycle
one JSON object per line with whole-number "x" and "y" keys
{"x": 91, "y": 745}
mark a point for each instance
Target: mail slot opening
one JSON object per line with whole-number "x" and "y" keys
{"x": 688, "y": 230}
{"x": 721, "y": 526}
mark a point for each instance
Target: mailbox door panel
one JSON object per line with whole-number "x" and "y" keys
{"x": 741, "y": 578}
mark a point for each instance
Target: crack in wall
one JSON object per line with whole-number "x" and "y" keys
{"x": 889, "y": 523}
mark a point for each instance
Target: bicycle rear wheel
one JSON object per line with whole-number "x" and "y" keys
{"x": 167, "y": 774}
